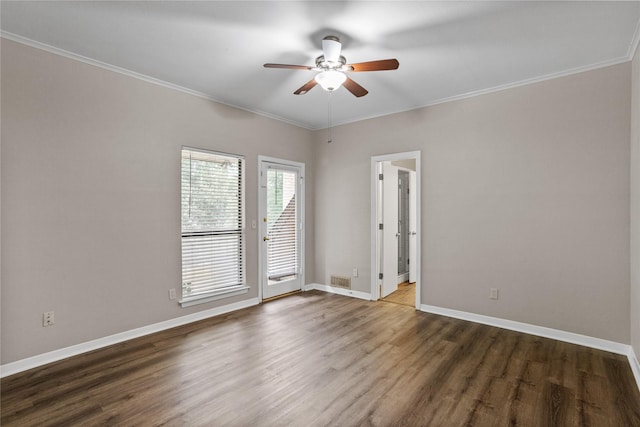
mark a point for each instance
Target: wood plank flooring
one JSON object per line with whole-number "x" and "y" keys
{"x": 405, "y": 295}
{"x": 316, "y": 359}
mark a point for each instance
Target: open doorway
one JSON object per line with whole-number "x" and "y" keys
{"x": 395, "y": 228}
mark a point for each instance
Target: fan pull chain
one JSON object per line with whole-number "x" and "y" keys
{"x": 329, "y": 132}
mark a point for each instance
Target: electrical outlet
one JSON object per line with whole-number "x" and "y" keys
{"x": 493, "y": 293}
{"x": 48, "y": 318}
{"x": 355, "y": 272}
{"x": 172, "y": 293}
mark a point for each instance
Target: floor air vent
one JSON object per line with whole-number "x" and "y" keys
{"x": 341, "y": 281}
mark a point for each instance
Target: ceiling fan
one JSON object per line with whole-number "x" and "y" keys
{"x": 331, "y": 68}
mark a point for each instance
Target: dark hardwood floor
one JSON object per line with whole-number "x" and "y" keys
{"x": 316, "y": 359}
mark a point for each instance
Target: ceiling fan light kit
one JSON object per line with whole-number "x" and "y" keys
{"x": 331, "y": 68}
{"x": 330, "y": 80}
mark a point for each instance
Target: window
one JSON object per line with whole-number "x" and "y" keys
{"x": 212, "y": 226}
{"x": 282, "y": 250}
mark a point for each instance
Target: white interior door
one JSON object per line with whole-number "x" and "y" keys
{"x": 411, "y": 161}
{"x": 413, "y": 237}
{"x": 280, "y": 228}
{"x": 390, "y": 229}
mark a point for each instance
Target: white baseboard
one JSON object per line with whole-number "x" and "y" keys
{"x": 74, "y": 350}
{"x": 635, "y": 366}
{"x": 63, "y": 353}
{"x": 570, "y": 337}
{"x": 556, "y": 334}
{"x": 339, "y": 291}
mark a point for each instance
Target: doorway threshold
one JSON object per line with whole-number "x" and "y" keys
{"x": 405, "y": 295}
{"x": 282, "y": 295}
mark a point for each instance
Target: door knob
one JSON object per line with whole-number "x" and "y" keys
{"x": 264, "y": 239}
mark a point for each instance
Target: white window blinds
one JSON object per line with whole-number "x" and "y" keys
{"x": 282, "y": 253}
{"x": 212, "y": 225}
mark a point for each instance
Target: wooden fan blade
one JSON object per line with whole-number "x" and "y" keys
{"x": 306, "y": 87}
{"x": 383, "y": 64}
{"x": 354, "y": 88}
{"x": 292, "y": 67}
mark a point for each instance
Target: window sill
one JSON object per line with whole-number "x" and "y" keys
{"x": 202, "y": 299}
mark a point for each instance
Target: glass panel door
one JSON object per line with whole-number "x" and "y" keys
{"x": 280, "y": 229}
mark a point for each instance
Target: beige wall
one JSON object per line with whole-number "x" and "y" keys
{"x": 91, "y": 193}
{"x": 526, "y": 190}
{"x": 635, "y": 205}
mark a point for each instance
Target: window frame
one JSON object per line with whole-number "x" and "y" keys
{"x": 227, "y": 292}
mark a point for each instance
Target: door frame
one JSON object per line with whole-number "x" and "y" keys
{"x": 375, "y": 205}
{"x": 261, "y": 214}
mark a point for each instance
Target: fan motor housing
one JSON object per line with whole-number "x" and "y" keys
{"x": 322, "y": 64}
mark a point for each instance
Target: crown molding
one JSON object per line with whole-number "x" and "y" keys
{"x": 633, "y": 46}
{"x": 74, "y": 56}
{"x": 52, "y": 49}
{"x": 500, "y": 88}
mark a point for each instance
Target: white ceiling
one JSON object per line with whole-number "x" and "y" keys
{"x": 446, "y": 50}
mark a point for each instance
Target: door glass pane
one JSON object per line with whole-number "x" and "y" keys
{"x": 282, "y": 253}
